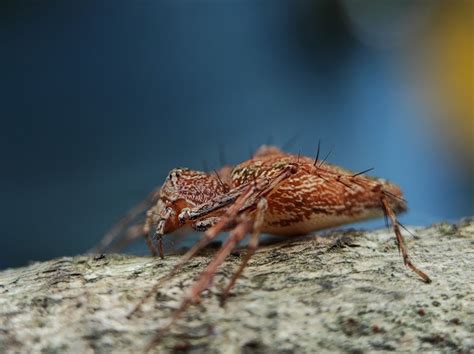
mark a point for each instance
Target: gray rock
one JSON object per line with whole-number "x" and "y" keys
{"x": 313, "y": 294}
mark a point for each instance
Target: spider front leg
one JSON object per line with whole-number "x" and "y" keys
{"x": 114, "y": 235}
{"x": 132, "y": 234}
{"x": 205, "y": 278}
{"x": 157, "y": 220}
{"x": 146, "y": 231}
{"x": 211, "y": 233}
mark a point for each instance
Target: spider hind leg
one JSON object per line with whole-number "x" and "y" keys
{"x": 401, "y": 241}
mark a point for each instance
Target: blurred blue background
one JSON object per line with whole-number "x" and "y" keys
{"x": 100, "y": 99}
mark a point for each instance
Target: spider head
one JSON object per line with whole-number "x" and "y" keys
{"x": 183, "y": 188}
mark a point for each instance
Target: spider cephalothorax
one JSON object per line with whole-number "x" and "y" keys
{"x": 183, "y": 189}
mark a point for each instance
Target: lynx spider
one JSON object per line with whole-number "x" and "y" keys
{"x": 274, "y": 192}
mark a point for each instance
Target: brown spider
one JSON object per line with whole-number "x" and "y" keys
{"x": 274, "y": 192}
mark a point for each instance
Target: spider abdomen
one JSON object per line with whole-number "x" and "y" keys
{"x": 316, "y": 196}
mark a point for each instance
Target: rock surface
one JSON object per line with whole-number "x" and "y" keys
{"x": 304, "y": 295}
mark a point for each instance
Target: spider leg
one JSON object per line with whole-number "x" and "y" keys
{"x": 205, "y": 224}
{"x": 132, "y": 234}
{"x": 146, "y": 230}
{"x": 400, "y": 240}
{"x": 258, "y": 188}
{"x": 229, "y": 216}
{"x": 205, "y": 278}
{"x": 209, "y": 235}
{"x": 205, "y": 209}
{"x": 160, "y": 231}
{"x": 251, "y": 248}
{"x": 114, "y": 233}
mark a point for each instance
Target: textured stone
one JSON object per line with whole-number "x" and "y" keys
{"x": 313, "y": 294}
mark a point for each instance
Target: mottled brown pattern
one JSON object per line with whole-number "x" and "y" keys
{"x": 316, "y": 196}
{"x": 193, "y": 186}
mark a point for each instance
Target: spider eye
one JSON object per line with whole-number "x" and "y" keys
{"x": 293, "y": 168}
{"x": 175, "y": 173}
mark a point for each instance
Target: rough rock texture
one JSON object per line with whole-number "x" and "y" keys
{"x": 305, "y": 295}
